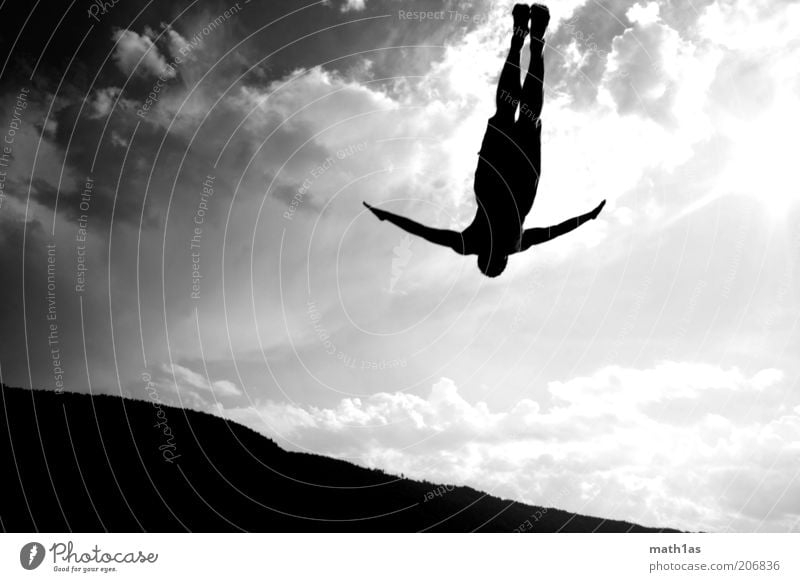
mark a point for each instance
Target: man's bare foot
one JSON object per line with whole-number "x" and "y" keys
{"x": 597, "y": 210}
{"x": 540, "y": 18}
{"x": 521, "y": 14}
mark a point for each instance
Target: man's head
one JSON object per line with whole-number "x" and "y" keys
{"x": 492, "y": 264}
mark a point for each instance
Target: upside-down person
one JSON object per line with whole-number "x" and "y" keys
{"x": 509, "y": 163}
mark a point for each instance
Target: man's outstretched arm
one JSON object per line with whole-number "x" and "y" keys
{"x": 446, "y": 238}
{"x": 535, "y": 236}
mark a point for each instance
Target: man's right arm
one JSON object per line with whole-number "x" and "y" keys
{"x": 446, "y": 238}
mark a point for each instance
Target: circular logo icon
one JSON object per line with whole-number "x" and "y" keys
{"x": 31, "y": 555}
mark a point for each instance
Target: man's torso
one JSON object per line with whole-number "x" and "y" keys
{"x": 505, "y": 186}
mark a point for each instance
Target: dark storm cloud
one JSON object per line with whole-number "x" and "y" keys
{"x": 86, "y": 96}
{"x": 92, "y": 139}
{"x": 119, "y": 37}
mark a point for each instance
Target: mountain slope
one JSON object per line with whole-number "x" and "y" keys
{"x": 82, "y": 463}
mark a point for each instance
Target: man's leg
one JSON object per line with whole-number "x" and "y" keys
{"x": 508, "y": 86}
{"x": 493, "y": 179}
{"x": 533, "y": 88}
{"x": 528, "y": 128}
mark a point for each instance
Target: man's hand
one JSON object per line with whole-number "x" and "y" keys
{"x": 381, "y": 214}
{"x": 594, "y": 213}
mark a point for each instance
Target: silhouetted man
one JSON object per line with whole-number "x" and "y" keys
{"x": 509, "y": 163}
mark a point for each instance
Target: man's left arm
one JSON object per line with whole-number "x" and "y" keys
{"x": 535, "y": 236}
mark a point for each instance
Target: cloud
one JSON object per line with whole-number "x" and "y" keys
{"x": 194, "y": 384}
{"x": 131, "y": 48}
{"x": 750, "y": 25}
{"x": 643, "y": 13}
{"x": 101, "y": 103}
{"x": 355, "y": 5}
{"x": 600, "y": 443}
{"x": 615, "y": 387}
{"x": 648, "y": 66}
{"x": 179, "y": 47}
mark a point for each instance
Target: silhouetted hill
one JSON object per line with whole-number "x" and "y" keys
{"x": 82, "y": 463}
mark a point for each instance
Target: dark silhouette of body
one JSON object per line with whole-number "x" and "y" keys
{"x": 509, "y": 163}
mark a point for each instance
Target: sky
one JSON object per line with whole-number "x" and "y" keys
{"x": 181, "y": 204}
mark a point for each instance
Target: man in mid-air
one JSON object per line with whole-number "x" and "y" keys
{"x": 509, "y": 163}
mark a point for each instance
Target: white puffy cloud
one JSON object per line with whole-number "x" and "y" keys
{"x": 751, "y": 25}
{"x": 131, "y": 48}
{"x": 194, "y": 385}
{"x": 615, "y": 387}
{"x": 179, "y": 47}
{"x": 354, "y": 5}
{"x": 601, "y": 446}
{"x": 651, "y": 65}
{"x": 103, "y": 100}
{"x": 643, "y": 13}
